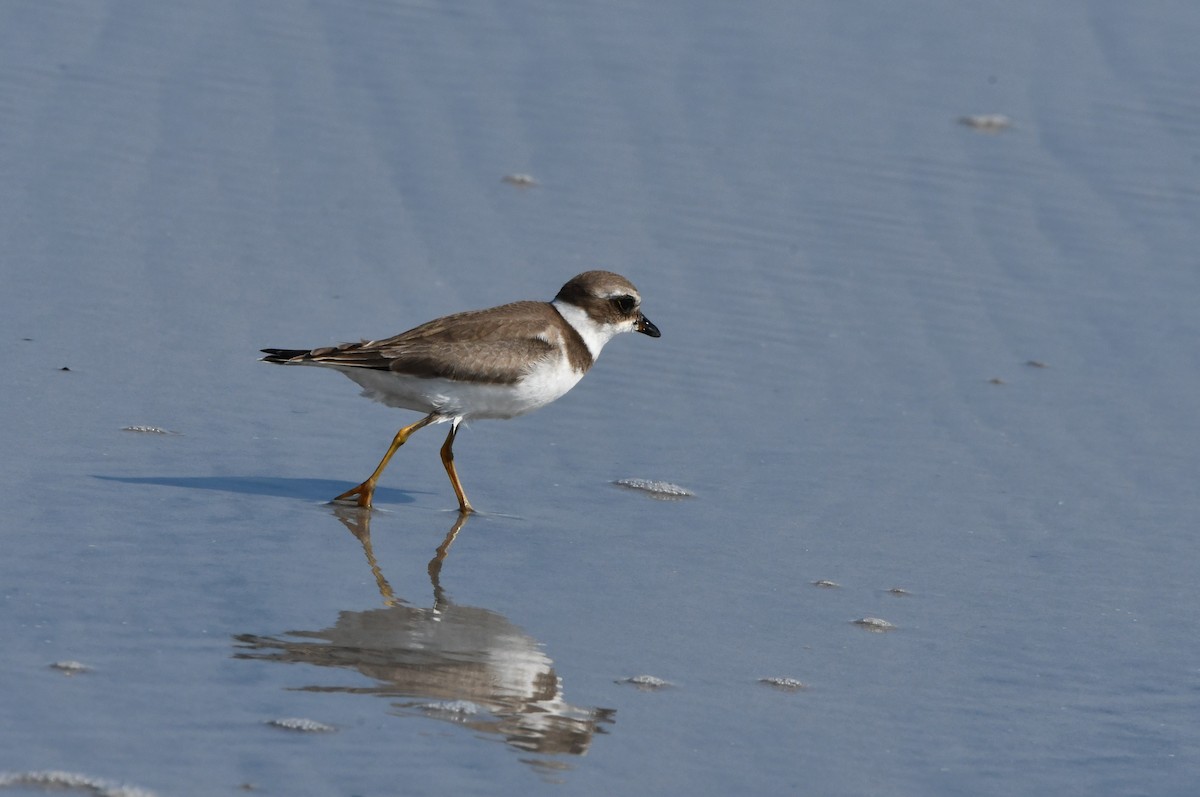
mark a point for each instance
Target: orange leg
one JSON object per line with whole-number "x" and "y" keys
{"x": 464, "y": 506}
{"x": 361, "y": 494}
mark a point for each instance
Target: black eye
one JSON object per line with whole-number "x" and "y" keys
{"x": 625, "y": 304}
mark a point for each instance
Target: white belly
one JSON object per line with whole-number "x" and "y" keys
{"x": 467, "y": 400}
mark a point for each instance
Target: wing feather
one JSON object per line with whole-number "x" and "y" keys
{"x": 497, "y": 345}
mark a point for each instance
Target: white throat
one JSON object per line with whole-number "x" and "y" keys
{"x": 593, "y": 334}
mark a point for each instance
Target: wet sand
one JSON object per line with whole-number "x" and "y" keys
{"x": 851, "y": 285}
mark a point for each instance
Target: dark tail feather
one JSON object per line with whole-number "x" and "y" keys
{"x": 282, "y": 355}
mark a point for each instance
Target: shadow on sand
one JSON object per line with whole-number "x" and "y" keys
{"x": 305, "y": 489}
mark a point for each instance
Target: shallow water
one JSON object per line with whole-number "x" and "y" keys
{"x": 851, "y": 286}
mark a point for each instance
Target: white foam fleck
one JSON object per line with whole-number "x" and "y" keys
{"x": 874, "y": 624}
{"x": 70, "y": 667}
{"x": 460, "y": 707}
{"x": 55, "y": 779}
{"x": 147, "y": 430}
{"x": 986, "y": 122}
{"x": 520, "y": 179}
{"x": 301, "y": 724}
{"x": 784, "y": 684}
{"x": 656, "y": 489}
{"x": 646, "y": 682}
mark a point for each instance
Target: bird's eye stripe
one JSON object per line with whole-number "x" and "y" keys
{"x": 624, "y": 303}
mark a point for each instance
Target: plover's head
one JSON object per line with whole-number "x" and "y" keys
{"x": 600, "y": 304}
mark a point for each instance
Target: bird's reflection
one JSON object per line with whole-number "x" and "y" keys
{"x": 461, "y": 664}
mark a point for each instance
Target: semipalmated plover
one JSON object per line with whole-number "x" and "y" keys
{"x": 496, "y": 363}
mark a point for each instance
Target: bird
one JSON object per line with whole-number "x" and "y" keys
{"x": 499, "y": 362}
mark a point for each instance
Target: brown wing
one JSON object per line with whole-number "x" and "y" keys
{"x": 494, "y": 345}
